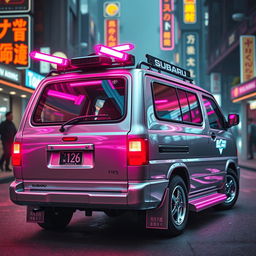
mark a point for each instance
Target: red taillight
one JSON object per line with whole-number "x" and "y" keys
{"x": 137, "y": 152}
{"x": 69, "y": 138}
{"x": 16, "y": 154}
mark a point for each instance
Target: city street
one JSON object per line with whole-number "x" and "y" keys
{"x": 208, "y": 233}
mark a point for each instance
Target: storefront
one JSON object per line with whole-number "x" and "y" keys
{"x": 245, "y": 94}
{"x": 13, "y": 95}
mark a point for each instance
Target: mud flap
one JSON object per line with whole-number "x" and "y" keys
{"x": 35, "y": 215}
{"x": 158, "y": 218}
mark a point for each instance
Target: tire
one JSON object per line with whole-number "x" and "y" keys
{"x": 178, "y": 206}
{"x": 114, "y": 213}
{"x": 56, "y": 218}
{"x": 231, "y": 189}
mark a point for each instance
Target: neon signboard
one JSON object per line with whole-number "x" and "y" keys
{"x": 243, "y": 91}
{"x": 15, "y": 40}
{"x": 15, "y": 6}
{"x": 111, "y": 32}
{"x": 189, "y": 11}
{"x": 166, "y": 25}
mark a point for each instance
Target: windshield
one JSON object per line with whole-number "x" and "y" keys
{"x": 104, "y": 100}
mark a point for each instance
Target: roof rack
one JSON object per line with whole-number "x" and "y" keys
{"x": 161, "y": 65}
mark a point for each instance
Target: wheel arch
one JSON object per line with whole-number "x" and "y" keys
{"x": 231, "y": 164}
{"x": 181, "y": 170}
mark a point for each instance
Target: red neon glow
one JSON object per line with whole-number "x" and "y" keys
{"x": 123, "y": 47}
{"x": 16, "y": 154}
{"x": 77, "y": 99}
{"x": 137, "y": 152}
{"x": 49, "y": 58}
{"x": 69, "y": 138}
{"x": 101, "y": 49}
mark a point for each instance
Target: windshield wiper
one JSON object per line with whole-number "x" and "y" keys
{"x": 77, "y": 119}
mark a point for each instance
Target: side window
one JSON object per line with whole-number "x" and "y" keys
{"x": 216, "y": 119}
{"x": 166, "y": 102}
{"x": 186, "y": 116}
{"x": 195, "y": 110}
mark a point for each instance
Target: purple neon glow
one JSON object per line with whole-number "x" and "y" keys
{"x": 110, "y": 52}
{"x": 85, "y": 83}
{"x": 77, "y": 99}
{"x": 49, "y": 58}
{"x": 123, "y": 47}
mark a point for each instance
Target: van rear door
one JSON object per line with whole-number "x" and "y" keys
{"x": 93, "y": 148}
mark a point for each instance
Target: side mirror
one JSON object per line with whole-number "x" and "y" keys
{"x": 233, "y": 119}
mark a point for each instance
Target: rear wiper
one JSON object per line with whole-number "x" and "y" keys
{"x": 77, "y": 119}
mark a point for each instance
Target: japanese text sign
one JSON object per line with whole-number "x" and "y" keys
{"x": 191, "y": 54}
{"x": 166, "y": 24}
{"x": 15, "y": 40}
{"x": 15, "y": 6}
{"x": 189, "y": 11}
{"x": 111, "y": 32}
{"x": 247, "y": 58}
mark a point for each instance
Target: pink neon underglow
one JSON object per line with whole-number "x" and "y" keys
{"x": 85, "y": 83}
{"x": 77, "y": 99}
{"x": 123, "y": 47}
{"x": 210, "y": 201}
{"x": 49, "y": 58}
{"x": 101, "y": 49}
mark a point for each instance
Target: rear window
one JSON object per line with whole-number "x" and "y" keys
{"x": 98, "y": 100}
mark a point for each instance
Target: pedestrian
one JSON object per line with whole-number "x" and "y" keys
{"x": 252, "y": 137}
{"x": 7, "y": 132}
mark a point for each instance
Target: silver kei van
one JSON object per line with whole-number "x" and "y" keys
{"x": 99, "y": 135}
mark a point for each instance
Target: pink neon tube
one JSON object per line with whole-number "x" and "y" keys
{"x": 110, "y": 52}
{"x": 49, "y": 58}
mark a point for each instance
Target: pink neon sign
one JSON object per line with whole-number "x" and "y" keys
{"x": 166, "y": 25}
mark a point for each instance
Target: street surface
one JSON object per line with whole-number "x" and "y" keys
{"x": 208, "y": 233}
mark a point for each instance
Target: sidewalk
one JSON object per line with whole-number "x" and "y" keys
{"x": 247, "y": 164}
{"x": 6, "y": 177}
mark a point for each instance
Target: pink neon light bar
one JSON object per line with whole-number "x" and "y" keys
{"x": 110, "y": 52}
{"x": 123, "y": 47}
{"x": 49, "y": 58}
{"x": 85, "y": 83}
{"x": 77, "y": 99}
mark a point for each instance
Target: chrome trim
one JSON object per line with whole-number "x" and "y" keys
{"x": 70, "y": 147}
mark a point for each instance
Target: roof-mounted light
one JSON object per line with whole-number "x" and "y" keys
{"x": 101, "y": 49}
{"x": 50, "y": 58}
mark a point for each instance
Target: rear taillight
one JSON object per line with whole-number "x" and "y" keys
{"x": 16, "y": 154}
{"x": 137, "y": 151}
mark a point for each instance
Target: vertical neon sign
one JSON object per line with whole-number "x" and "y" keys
{"x": 166, "y": 25}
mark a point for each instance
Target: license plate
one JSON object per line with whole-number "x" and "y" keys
{"x": 34, "y": 216}
{"x": 70, "y": 158}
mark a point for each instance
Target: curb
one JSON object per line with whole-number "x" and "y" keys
{"x": 6, "y": 179}
{"x": 247, "y": 168}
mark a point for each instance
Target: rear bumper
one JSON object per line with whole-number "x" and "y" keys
{"x": 139, "y": 196}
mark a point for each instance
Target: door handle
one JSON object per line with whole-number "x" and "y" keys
{"x": 213, "y": 136}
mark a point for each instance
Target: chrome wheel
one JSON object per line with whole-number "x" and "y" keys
{"x": 230, "y": 188}
{"x": 178, "y": 205}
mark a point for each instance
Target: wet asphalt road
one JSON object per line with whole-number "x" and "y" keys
{"x": 208, "y": 233}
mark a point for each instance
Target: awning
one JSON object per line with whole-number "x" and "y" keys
{"x": 244, "y": 91}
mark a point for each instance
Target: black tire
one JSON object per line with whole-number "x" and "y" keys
{"x": 56, "y": 218}
{"x": 178, "y": 206}
{"x": 231, "y": 189}
{"x": 114, "y": 213}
